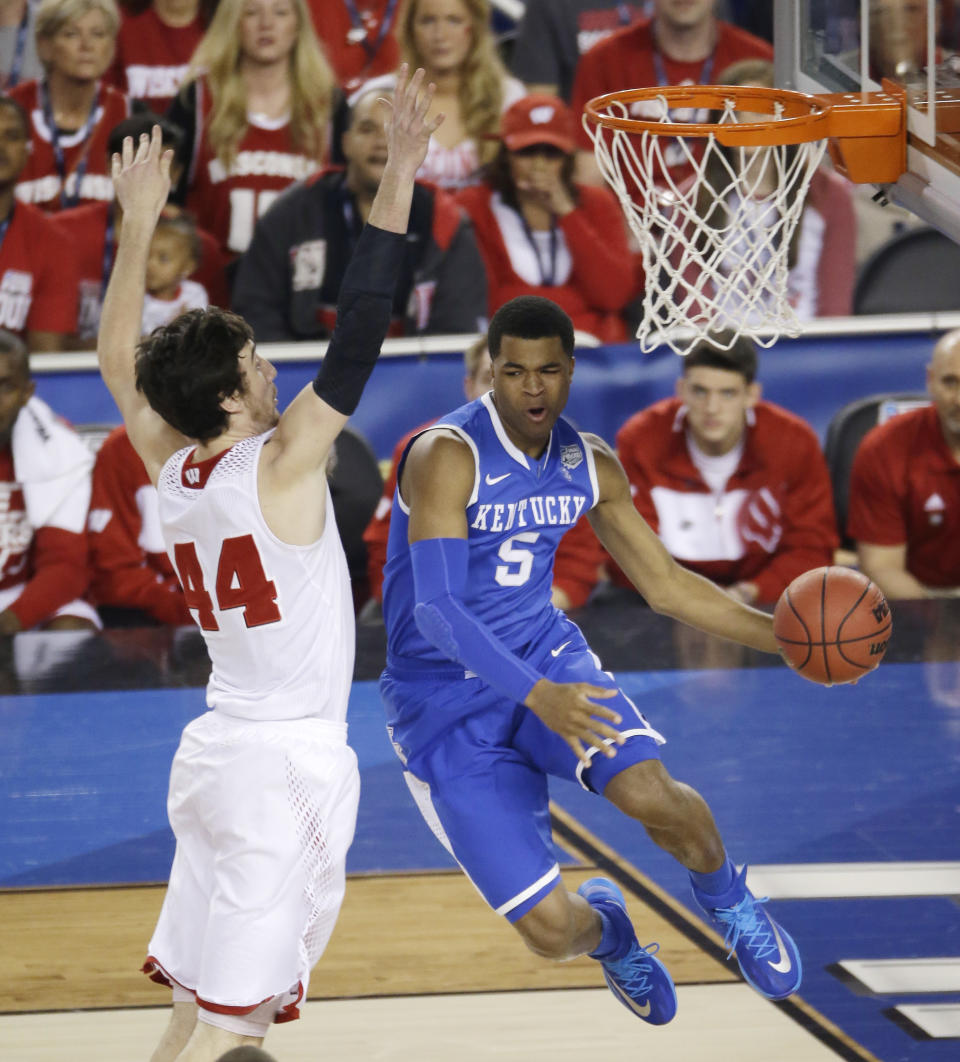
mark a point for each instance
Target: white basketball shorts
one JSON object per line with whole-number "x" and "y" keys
{"x": 263, "y": 814}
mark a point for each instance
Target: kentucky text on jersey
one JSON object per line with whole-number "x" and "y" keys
{"x": 542, "y": 510}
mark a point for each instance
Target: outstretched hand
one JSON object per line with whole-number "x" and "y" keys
{"x": 407, "y": 128}
{"x": 141, "y": 177}
{"x": 570, "y": 710}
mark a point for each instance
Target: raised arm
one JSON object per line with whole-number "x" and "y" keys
{"x": 667, "y": 586}
{"x": 313, "y": 420}
{"x": 141, "y": 180}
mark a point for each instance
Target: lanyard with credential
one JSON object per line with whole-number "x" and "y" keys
{"x": 357, "y": 34}
{"x": 58, "y": 156}
{"x": 19, "y": 47}
{"x": 547, "y": 277}
{"x": 706, "y": 71}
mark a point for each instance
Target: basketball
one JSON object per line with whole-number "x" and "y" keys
{"x": 832, "y": 625}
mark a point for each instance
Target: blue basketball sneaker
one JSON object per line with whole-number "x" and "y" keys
{"x": 769, "y": 959}
{"x": 638, "y": 979}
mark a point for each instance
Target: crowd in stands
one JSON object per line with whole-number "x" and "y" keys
{"x": 275, "y": 111}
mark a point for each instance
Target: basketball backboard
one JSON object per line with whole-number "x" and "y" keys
{"x": 850, "y": 45}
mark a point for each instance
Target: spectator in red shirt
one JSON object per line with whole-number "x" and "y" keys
{"x": 154, "y": 46}
{"x": 682, "y": 44}
{"x": 736, "y": 488}
{"x": 44, "y": 497}
{"x": 579, "y": 561}
{"x": 255, "y": 107}
{"x": 905, "y": 490}
{"x": 94, "y": 228}
{"x": 38, "y": 272}
{"x": 130, "y": 569}
{"x": 71, "y": 110}
{"x": 359, "y": 38}
{"x": 542, "y": 234}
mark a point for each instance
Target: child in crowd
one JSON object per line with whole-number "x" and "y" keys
{"x": 174, "y": 255}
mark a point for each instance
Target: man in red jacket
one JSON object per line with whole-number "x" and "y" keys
{"x": 736, "y": 488}
{"x": 44, "y": 496}
{"x": 130, "y": 568}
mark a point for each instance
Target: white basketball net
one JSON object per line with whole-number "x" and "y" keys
{"x": 715, "y": 251}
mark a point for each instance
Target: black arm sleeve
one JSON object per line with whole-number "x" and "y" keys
{"x": 363, "y": 317}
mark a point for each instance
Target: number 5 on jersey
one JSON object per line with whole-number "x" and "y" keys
{"x": 241, "y": 583}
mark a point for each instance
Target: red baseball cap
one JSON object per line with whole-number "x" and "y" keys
{"x": 538, "y": 119}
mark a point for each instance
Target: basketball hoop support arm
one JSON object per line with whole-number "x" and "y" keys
{"x": 867, "y": 131}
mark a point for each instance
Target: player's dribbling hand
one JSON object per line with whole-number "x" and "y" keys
{"x": 407, "y": 128}
{"x": 570, "y": 710}
{"x": 141, "y": 177}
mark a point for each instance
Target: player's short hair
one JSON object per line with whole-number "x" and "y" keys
{"x": 709, "y": 352}
{"x": 15, "y": 349}
{"x": 53, "y": 15}
{"x": 136, "y": 125}
{"x": 473, "y": 356}
{"x": 14, "y": 105}
{"x": 530, "y": 317}
{"x": 186, "y": 368}
{"x": 184, "y": 226}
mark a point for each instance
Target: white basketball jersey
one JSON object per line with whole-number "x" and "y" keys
{"x": 277, "y": 619}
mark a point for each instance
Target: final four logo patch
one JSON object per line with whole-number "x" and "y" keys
{"x": 571, "y": 456}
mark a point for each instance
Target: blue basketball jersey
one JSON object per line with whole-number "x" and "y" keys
{"x": 518, "y": 511}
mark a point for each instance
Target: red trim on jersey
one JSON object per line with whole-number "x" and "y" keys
{"x": 159, "y": 975}
{"x": 219, "y": 1008}
{"x": 291, "y": 1011}
{"x": 202, "y": 468}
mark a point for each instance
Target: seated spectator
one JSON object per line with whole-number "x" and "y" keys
{"x": 71, "y": 110}
{"x": 38, "y": 272}
{"x": 580, "y": 557}
{"x": 905, "y": 490}
{"x": 130, "y": 569}
{"x": 255, "y": 109}
{"x": 18, "y": 46}
{"x": 821, "y": 256}
{"x": 541, "y": 234}
{"x": 359, "y": 38}
{"x": 94, "y": 228}
{"x": 736, "y": 488}
{"x": 453, "y": 42}
{"x": 553, "y": 34}
{"x": 44, "y": 498}
{"x": 288, "y": 280}
{"x": 154, "y": 45}
{"x": 684, "y": 43}
{"x": 174, "y": 255}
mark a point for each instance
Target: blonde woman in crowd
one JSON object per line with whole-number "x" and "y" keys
{"x": 453, "y": 42}
{"x": 71, "y": 110}
{"x": 256, "y": 107}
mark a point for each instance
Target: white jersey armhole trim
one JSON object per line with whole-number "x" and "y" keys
{"x": 475, "y": 493}
{"x": 592, "y": 469}
{"x": 517, "y": 454}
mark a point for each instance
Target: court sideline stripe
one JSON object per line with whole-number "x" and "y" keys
{"x": 593, "y": 849}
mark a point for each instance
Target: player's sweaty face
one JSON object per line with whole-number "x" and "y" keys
{"x": 531, "y": 384}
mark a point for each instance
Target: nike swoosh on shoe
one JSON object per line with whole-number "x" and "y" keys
{"x": 642, "y": 1011}
{"x": 784, "y": 964}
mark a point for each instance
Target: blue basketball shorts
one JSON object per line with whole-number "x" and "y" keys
{"x": 481, "y": 784}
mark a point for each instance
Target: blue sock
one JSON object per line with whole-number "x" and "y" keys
{"x": 616, "y": 936}
{"x": 717, "y": 882}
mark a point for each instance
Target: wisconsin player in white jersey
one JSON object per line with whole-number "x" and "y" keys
{"x": 489, "y": 688}
{"x": 263, "y": 789}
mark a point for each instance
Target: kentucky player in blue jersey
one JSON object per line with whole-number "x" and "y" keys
{"x": 489, "y": 688}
